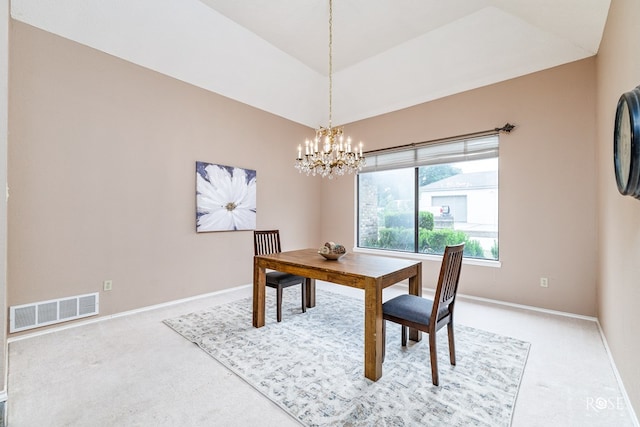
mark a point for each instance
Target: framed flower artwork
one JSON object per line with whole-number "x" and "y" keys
{"x": 225, "y": 198}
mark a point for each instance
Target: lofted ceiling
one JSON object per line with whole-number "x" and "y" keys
{"x": 387, "y": 54}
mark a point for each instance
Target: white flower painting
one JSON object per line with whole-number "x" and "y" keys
{"x": 225, "y": 198}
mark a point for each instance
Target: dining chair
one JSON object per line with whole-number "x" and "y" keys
{"x": 268, "y": 242}
{"x": 429, "y": 315}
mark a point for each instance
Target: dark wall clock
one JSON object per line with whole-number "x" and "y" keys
{"x": 626, "y": 143}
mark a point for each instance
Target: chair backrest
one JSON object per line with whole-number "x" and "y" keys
{"x": 266, "y": 242}
{"x": 448, "y": 281}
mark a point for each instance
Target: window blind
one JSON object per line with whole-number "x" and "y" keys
{"x": 433, "y": 153}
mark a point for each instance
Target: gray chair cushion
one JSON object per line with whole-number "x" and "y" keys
{"x": 412, "y": 308}
{"x": 284, "y": 279}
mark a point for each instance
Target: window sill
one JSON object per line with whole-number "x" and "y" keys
{"x": 426, "y": 257}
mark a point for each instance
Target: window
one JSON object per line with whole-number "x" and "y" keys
{"x": 422, "y": 197}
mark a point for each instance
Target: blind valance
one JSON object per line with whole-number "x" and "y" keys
{"x": 433, "y": 153}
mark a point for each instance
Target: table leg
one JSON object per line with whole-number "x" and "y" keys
{"x": 259, "y": 284}
{"x": 415, "y": 288}
{"x": 373, "y": 329}
{"x": 311, "y": 292}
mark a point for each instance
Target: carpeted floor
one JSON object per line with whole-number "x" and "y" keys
{"x": 311, "y": 365}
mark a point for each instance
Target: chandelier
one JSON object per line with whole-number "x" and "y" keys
{"x": 329, "y": 153}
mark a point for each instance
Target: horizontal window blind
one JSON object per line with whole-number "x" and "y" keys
{"x": 434, "y": 153}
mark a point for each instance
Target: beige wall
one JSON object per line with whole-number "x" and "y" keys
{"x": 547, "y": 183}
{"x": 102, "y": 175}
{"x": 618, "y": 71}
{"x": 4, "y": 122}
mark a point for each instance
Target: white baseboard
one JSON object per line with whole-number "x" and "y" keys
{"x": 529, "y": 307}
{"x": 627, "y": 401}
{"x": 511, "y": 304}
{"x": 223, "y": 291}
{"x": 122, "y": 314}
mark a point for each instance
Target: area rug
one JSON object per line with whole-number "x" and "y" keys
{"x": 312, "y": 365}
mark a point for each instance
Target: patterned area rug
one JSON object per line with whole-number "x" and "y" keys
{"x": 312, "y": 365}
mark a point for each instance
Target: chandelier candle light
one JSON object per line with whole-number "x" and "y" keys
{"x": 329, "y": 154}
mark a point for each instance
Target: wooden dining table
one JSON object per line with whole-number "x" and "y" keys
{"x": 371, "y": 273}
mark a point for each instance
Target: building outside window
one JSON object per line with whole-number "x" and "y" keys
{"x": 423, "y": 197}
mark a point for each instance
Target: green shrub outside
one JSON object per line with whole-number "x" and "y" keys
{"x": 434, "y": 242}
{"x": 425, "y": 220}
{"x": 400, "y": 239}
{"x": 398, "y": 235}
{"x": 429, "y": 241}
{"x": 398, "y": 220}
{"x": 405, "y": 220}
{"x": 473, "y": 248}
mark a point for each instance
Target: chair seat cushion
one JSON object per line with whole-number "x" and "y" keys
{"x": 412, "y": 308}
{"x": 283, "y": 279}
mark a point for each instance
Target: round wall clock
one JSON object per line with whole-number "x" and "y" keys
{"x": 626, "y": 143}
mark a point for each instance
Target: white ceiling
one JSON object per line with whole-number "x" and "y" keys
{"x": 387, "y": 54}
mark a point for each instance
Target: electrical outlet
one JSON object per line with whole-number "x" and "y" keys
{"x": 107, "y": 285}
{"x": 544, "y": 282}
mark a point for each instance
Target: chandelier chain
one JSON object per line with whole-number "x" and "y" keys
{"x": 330, "y": 61}
{"x": 329, "y": 153}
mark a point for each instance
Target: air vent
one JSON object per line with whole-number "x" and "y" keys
{"x": 29, "y": 316}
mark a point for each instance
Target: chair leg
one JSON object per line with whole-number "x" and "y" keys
{"x": 279, "y": 302}
{"x": 404, "y": 336}
{"x": 433, "y": 354}
{"x": 384, "y": 339}
{"x": 303, "y": 285}
{"x": 452, "y": 346}
{"x": 311, "y": 292}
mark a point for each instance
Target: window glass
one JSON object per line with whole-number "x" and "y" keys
{"x": 386, "y": 207}
{"x": 433, "y": 204}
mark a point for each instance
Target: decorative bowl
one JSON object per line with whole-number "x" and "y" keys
{"x": 332, "y": 251}
{"x": 332, "y": 256}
